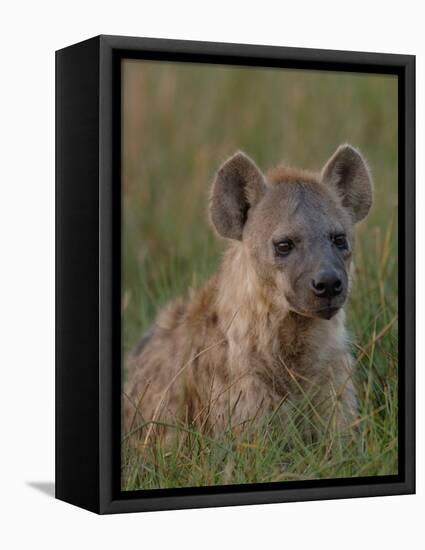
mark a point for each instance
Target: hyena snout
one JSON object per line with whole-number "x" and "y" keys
{"x": 326, "y": 292}
{"x": 327, "y": 284}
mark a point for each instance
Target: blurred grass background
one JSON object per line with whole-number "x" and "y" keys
{"x": 180, "y": 122}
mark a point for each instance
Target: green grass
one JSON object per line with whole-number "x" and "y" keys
{"x": 180, "y": 122}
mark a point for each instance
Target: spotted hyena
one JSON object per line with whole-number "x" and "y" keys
{"x": 269, "y": 326}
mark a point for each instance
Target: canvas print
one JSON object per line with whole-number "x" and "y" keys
{"x": 259, "y": 296}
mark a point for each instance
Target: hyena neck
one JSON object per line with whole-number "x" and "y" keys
{"x": 250, "y": 318}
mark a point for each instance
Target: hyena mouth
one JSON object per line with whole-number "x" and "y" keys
{"x": 327, "y": 312}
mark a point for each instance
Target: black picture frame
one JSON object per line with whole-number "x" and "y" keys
{"x": 88, "y": 359}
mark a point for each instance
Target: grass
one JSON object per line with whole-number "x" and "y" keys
{"x": 179, "y": 123}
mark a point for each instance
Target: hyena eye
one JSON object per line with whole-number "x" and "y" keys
{"x": 283, "y": 248}
{"x": 340, "y": 241}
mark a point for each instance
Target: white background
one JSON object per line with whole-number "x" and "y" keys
{"x": 29, "y": 34}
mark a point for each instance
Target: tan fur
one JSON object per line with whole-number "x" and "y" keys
{"x": 237, "y": 349}
{"x": 285, "y": 174}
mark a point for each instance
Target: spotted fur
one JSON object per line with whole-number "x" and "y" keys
{"x": 251, "y": 338}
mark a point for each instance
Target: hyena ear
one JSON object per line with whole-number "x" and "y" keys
{"x": 238, "y": 186}
{"x": 346, "y": 171}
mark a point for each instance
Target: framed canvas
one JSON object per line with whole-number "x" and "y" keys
{"x": 232, "y": 329}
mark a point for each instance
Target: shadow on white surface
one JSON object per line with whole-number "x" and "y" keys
{"x": 46, "y": 487}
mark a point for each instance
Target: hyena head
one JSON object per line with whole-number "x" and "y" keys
{"x": 296, "y": 226}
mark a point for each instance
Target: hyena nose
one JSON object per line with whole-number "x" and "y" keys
{"x": 327, "y": 284}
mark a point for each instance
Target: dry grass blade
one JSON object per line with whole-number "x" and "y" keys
{"x": 372, "y": 342}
